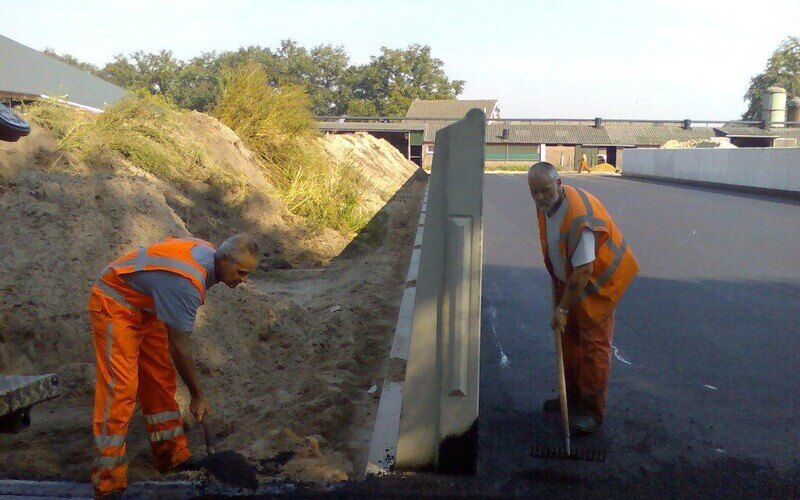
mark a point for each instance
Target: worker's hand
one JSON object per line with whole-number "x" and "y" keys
{"x": 559, "y": 321}
{"x": 199, "y": 407}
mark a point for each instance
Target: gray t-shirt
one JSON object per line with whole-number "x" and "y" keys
{"x": 176, "y": 298}
{"x": 584, "y": 253}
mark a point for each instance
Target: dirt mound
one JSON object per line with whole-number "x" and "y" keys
{"x": 713, "y": 142}
{"x": 603, "y": 168}
{"x": 286, "y": 374}
{"x": 382, "y": 166}
{"x": 57, "y": 232}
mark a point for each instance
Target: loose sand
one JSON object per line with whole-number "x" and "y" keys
{"x": 286, "y": 360}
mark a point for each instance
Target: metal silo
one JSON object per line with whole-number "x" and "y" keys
{"x": 773, "y": 107}
{"x": 793, "y": 110}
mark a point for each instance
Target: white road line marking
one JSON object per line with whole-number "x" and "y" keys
{"x": 621, "y": 355}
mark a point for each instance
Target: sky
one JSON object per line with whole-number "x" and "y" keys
{"x": 540, "y": 59}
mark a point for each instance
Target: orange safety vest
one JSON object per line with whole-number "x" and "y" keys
{"x": 614, "y": 266}
{"x": 173, "y": 255}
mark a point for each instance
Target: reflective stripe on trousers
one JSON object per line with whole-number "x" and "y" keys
{"x": 166, "y": 434}
{"x": 133, "y": 363}
{"x": 159, "y": 418}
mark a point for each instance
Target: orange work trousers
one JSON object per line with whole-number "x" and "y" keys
{"x": 587, "y": 363}
{"x": 133, "y": 361}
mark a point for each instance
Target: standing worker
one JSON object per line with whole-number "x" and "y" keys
{"x": 584, "y": 164}
{"x": 143, "y": 309}
{"x": 590, "y": 266}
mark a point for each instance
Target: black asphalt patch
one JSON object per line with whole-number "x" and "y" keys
{"x": 704, "y": 394}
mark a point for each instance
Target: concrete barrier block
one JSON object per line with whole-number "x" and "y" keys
{"x": 773, "y": 169}
{"x": 439, "y": 418}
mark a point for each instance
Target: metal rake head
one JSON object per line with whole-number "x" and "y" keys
{"x": 589, "y": 454}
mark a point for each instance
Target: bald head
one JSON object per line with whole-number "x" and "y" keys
{"x": 543, "y": 169}
{"x": 239, "y": 246}
{"x": 236, "y": 258}
{"x": 545, "y": 185}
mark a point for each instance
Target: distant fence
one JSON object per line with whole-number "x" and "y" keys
{"x": 771, "y": 169}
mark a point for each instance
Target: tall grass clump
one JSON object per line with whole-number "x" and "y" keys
{"x": 278, "y": 126}
{"x": 144, "y": 130}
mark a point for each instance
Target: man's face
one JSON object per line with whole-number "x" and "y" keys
{"x": 544, "y": 191}
{"x": 233, "y": 272}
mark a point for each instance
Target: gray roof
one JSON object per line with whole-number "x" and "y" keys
{"x": 369, "y": 127}
{"x": 576, "y": 132}
{"x": 451, "y": 109}
{"x": 743, "y": 131}
{"x": 544, "y": 133}
{"x": 431, "y": 127}
{"x": 584, "y": 133}
{"x": 27, "y": 71}
{"x": 653, "y": 134}
{"x": 787, "y": 133}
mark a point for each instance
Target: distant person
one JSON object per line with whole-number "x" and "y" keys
{"x": 590, "y": 266}
{"x": 584, "y": 164}
{"x": 143, "y": 309}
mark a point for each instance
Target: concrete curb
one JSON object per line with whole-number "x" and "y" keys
{"x": 383, "y": 446}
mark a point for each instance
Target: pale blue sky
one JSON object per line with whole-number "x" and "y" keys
{"x": 572, "y": 59}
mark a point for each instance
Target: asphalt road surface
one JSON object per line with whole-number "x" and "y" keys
{"x": 704, "y": 397}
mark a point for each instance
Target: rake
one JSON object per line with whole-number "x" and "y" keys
{"x": 566, "y": 453}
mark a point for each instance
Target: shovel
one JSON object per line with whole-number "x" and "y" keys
{"x": 228, "y": 467}
{"x": 211, "y": 441}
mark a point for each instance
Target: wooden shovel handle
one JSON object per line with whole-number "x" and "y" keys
{"x": 211, "y": 443}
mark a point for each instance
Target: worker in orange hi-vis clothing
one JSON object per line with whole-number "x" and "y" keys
{"x": 590, "y": 266}
{"x": 143, "y": 309}
{"x": 584, "y": 164}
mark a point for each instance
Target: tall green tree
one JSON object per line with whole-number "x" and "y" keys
{"x": 320, "y": 70}
{"x": 398, "y": 76}
{"x": 383, "y": 87}
{"x": 782, "y": 70}
{"x": 157, "y": 72}
{"x": 196, "y": 85}
{"x": 72, "y": 61}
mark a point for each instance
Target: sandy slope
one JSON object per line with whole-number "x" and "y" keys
{"x": 285, "y": 372}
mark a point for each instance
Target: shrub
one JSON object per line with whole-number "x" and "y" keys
{"x": 278, "y": 126}
{"x": 144, "y": 130}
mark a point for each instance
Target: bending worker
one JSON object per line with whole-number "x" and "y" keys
{"x": 143, "y": 309}
{"x": 590, "y": 266}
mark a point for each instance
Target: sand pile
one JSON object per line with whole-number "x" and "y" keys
{"x": 713, "y": 142}
{"x": 382, "y": 166}
{"x": 286, "y": 361}
{"x": 603, "y": 168}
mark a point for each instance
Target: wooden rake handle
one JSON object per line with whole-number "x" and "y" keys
{"x": 562, "y": 389}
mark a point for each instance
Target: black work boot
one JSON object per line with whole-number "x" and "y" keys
{"x": 584, "y": 424}
{"x": 192, "y": 464}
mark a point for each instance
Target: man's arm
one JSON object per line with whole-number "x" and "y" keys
{"x": 575, "y": 285}
{"x": 182, "y": 357}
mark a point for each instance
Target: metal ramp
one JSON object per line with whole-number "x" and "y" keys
{"x": 18, "y": 393}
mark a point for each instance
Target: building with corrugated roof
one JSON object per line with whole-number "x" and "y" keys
{"x": 450, "y": 109}
{"x": 561, "y": 142}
